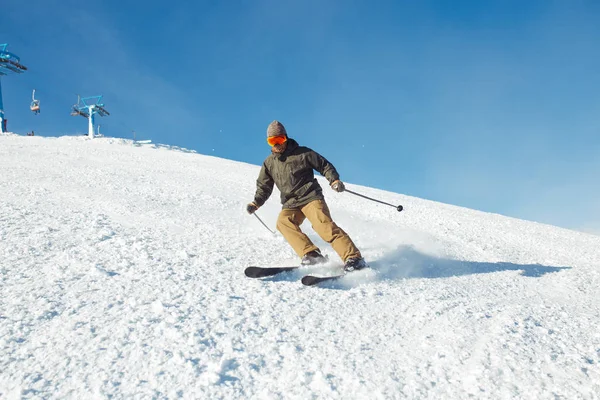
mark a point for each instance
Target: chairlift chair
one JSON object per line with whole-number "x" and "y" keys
{"x": 35, "y": 104}
{"x": 79, "y": 109}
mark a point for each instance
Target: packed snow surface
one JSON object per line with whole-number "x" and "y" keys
{"x": 121, "y": 275}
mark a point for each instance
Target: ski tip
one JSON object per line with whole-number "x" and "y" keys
{"x": 310, "y": 280}
{"x": 250, "y": 272}
{"x": 262, "y": 272}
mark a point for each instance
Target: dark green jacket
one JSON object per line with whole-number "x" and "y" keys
{"x": 292, "y": 172}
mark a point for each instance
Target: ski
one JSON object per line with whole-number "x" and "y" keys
{"x": 310, "y": 280}
{"x": 261, "y": 272}
{"x": 307, "y": 280}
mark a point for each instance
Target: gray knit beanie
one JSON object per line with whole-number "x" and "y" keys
{"x": 276, "y": 128}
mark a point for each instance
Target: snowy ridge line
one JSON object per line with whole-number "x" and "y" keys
{"x": 141, "y": 143}
{"x": 113, "y": 140}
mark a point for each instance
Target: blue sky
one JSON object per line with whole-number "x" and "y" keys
{"x": 492, "y": 105}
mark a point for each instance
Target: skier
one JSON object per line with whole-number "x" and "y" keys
{"x": 290, "y": 167}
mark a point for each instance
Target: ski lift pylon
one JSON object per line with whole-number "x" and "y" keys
{"x": 9, "y": 64}
{"x": 88, "y": 107}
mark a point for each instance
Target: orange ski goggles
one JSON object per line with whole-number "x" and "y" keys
{"x": 273, "y": 140}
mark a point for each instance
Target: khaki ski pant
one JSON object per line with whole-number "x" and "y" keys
{"x": 317, "y": 212}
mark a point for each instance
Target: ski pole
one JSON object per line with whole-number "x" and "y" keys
{"x": 399, "y": 207}
{"x": 261, "y": 221}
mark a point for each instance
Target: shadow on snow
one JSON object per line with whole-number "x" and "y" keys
{"x": 406, "y": 262}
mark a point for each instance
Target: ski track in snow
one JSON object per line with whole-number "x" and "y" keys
{"x": 121, "y": 275}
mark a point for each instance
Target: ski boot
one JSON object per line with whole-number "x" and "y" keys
{"x": 313, "y": 257}
{"x": 354, "y": 264}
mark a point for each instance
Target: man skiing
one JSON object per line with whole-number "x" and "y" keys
{"x": 290, "y": 167}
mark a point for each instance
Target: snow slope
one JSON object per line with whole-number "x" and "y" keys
{"x": 121, "y": 275}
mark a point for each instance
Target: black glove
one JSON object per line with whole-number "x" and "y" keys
{"x": 338, "y": 186}
{"x": 251, "y": 208}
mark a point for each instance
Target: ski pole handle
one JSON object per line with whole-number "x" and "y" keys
{"x": 398, "y": 207}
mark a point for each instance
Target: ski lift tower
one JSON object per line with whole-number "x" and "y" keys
{"x": 88, "y": 107}
{"x": 9, "y": 64}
